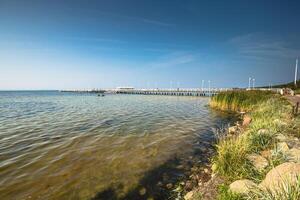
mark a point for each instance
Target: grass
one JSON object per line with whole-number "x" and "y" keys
{"x": 225, "y": 194}
{"x": 239, "y": 100}
{"x": 270, "y": 115}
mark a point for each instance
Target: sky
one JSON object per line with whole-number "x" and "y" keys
{"x": 59, "y": 44}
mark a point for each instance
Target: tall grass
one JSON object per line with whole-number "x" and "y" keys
{"x": 239, "y": 100}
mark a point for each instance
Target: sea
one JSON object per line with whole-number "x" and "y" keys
{"x": 56, "y": 145}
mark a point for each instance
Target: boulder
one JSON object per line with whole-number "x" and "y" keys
{"x": 242, "y": 186}
{"x": 282, "y": 147}
{"x": 281, "y": 138}
{"x": 293, "y": 155}
{"x": 246, "y": 120}
{"x": 293, "y": 143}
{"x": 274, "y": 179}
{"x": 258, "y": 161}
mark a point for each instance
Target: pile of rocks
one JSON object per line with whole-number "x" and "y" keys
{"x": 288, "y": 171}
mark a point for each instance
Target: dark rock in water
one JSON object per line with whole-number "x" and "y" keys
{"x": 159, "y": 184}
{"x": 169, "y": 185}
{"x": 142, "y": 191}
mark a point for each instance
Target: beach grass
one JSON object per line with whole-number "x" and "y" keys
{"x": 271, "y": 115}
{"x": 241, "y": 100}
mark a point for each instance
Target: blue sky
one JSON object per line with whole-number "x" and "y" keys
{"x": 101, "y": 44}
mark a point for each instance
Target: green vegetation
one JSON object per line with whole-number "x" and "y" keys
{"x": 225, "y": 194}
{"x": 270, "y": 116}
{"x": 239, "y": 100}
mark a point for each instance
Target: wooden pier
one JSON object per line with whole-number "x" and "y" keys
{"x": 170, "y": 92}
{"x": 173, "y": 92}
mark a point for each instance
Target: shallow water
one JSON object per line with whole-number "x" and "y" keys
{"x": 73, "y": 146}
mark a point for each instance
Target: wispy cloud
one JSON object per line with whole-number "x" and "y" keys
{"x": 258, "y": 46}
{"x": 134, "y": 18}
{"x": 94, "y": 39}
{"x": 173, "y": 60}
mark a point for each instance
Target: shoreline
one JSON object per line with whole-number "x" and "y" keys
{"x": 248, "y": 155}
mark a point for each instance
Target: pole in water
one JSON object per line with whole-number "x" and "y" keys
{"x": 296, "y": 71}
{"x": 253, "y": 83}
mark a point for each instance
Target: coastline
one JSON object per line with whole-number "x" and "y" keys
{"x": 249, "y": 153}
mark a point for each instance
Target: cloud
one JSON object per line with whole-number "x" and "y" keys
{"x": 134, "y": 18}
{"x": 258, "y": 46}
{"x": 173, "y": 60}
{"x": 93, "y": 39}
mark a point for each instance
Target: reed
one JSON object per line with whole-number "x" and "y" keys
{"x": 239, "y": 100}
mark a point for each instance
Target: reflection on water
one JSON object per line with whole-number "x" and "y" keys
{"x": 73, "y": 146}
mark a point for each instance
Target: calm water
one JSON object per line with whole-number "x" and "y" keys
{"x": 74, "y": 146}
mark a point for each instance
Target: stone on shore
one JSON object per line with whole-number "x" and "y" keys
{"x": 242, "y": 186}
{"x": 288, "y": 171}
{"x": 266, "y": 154}
{"x": 282, "y": 147}
{"x": 293, "y": 155}
{"x": 189, "y": 195}
{"x": 281, "y": 138}
{"x": 258, "y": 161}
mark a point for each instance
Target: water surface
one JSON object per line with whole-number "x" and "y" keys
{"x": 73, "y": 146}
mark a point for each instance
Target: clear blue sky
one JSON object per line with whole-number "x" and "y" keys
{"x": 58, "y": 44}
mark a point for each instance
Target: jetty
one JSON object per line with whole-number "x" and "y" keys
{"x": 157, "y": 91}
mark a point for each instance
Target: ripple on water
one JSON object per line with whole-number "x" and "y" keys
{"x": 63, "y": 146}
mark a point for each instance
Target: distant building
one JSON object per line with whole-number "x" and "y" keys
{"x": 125, "y": 88}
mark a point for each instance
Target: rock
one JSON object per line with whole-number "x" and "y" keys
{"x": 232, "y": 129}
{"x": 263, "y": 131}
{"x": 188, "y": 186}
{"x": 282, "y": 147}
{"x": 189, "y": 195}
{"x": 293, "y": 143}
{"x": 206, "y": 170}
{"x": 288, "y": 171}
{"x": 293, "y": 155}
{"x": 242, "y": 186}
{"x": 246, "y": 120}
{"x": 258, "y": 161}
{"x": 169, "y": 185}
{"x": 159, "y": 184}
{"x": 142, "y": 191}
{"x": 266, "y": 154}
{"x": 280, "y": 137}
